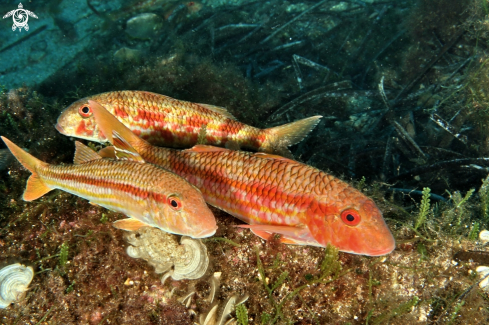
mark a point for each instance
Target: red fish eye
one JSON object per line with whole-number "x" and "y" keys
{"x": 351, "y": 217}
{"x": 191, "y": 3}
{"x": 85, "y": 111}
{"x": 174, "y": 202}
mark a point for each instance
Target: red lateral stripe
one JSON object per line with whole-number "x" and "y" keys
{"x": 79, "y": 178}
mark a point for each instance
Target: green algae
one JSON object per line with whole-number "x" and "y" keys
{"x": 104, "y": 218}
{"x": 242, "y": 314}
{"x": 328, "y": 271}
{"x": 63, "y": 254}
{"x": 224, "y": 240}
{"x": 424, "y": 208}
{"x": 474, "y": 231}
{"x": 398, "y": 311}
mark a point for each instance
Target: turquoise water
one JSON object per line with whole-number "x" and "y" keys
{"x": 402, "y": 88}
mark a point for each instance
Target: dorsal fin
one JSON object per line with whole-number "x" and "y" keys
{"x": 205, "y": 148}
{"x": 218, "y": 109}
{"x": 84, "y": 154}
{"x": 123, "y": 150}
{"x": 270, "y": 156}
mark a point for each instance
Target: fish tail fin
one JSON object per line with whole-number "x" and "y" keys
{"x": 282, "y": 136}
{"x": 35, "y": 186}
{"x": 111, "y": 126}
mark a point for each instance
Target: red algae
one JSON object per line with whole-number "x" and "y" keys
{"x": 96, "y": 282}
{"x": 100, "y": 282}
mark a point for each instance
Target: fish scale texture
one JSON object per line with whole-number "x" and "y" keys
{"x": 166, "y": 121}
{"x": 254, "y": 189}
{"x": 148, "y": 194}
{"x": 116, "y": 177}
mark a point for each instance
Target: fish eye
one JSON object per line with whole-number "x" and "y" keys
{"x": 85, "y": 111}
{"x": 191, "y": 3}
{"x": 174, "y": 202}
{"x": 351, "y": 217}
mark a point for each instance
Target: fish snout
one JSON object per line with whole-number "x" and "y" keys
{"x": 205, "y": 225}
{"x": 206, "y": 232}
{"x": 60, "y": 128}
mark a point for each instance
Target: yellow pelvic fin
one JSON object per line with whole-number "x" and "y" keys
{"x": 280, "y": 137}
{"x": 84, "y": 154}
{"x": 220, "y": 110}
{"x": 110, "y": 125}
{"x": 129, "y": 224}
{"x": 35, "y": 186}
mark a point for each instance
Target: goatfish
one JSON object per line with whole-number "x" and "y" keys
{"x": 147, "y": 194}
{"x": 272, "y": 194}
{"x": 168, "y": 122}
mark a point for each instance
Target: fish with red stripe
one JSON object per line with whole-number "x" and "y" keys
{"x": 147, "y": 194}
{"x": 165, "y": 121}
{"x": 272, "y": 194}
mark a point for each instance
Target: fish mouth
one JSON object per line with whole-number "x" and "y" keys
{"x": 206, "y": 233}
{"x": 381, "y": 252}
{"x": 60, "y": 128}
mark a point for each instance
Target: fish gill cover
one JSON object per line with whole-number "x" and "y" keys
{"x": 403, "y": 90}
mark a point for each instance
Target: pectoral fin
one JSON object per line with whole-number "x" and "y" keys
{"x": 129, "y": 224}
{"x": 290, "y": 235}
{"x": 266, "y": 236}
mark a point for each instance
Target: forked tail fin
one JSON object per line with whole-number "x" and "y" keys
{"x": 280, "y": 137}
{"x": 35, "y": 186}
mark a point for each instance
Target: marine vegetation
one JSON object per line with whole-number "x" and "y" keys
{"x": 403, "y": 90}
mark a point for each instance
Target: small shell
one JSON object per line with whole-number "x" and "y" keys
{"x": 484, "y": 236}
{"x": 161, "y": 250}
{"x": 194, "y": 263}
{"x": 14, "y": 280}
{"x": 483, "y": 274}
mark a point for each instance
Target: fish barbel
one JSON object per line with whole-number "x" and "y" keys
{"x": 271, "y": 193}
{"x": 168, "y": 122}
{"x": 149, "y": 195}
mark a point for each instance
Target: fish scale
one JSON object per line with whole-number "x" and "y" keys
{"x": 165, "y": 121}
{"x": 272, "y": 194}
{"x": 144, "y": 192}
{"x": 241, "y": 178}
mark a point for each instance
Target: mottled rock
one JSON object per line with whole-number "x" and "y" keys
{"x": 144, "y": 26}
{"x": 128, "y": 55}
